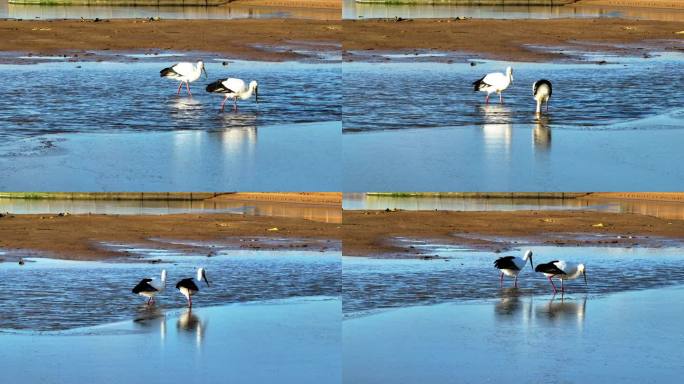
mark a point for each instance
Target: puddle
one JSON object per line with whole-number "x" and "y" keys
{"x": 370, "y": 285}
{"x": 297, "y": 340}
{"x": 162, "y": 207}
{"x": 582, "y": 338}
{"x": 19, "y": 11}
{"x": 56, "y": 294}
{"x": 361, "y": 10}
{"x": 585, "y": 96}
{"x": 72, "y": 98}
{"x": 361, "y": 201}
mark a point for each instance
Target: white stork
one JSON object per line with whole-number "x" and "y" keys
{"x": 235, "y": 89}
{"x": 494, "y": 82}
{"x": 512, "y": 265}
{"x": 562, "y": 270}
{"x": 184, "y": 73}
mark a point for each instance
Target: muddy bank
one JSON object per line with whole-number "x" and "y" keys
{"x": 251, "y": 39}
{"x": 375, "y": 233}
{"x": 79, "y": 237}
{"x": 518, "y": 40}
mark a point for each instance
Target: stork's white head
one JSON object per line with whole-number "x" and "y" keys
{"x": 200, "y": 66}
{"x": 528, "y": 256}
{"x": 509, "y": 73}
{"x": 583, "y": 271}
{"x": 254, "y": 87}
{"x": 202, "y": 275}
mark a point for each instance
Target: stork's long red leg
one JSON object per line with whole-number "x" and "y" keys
{"x": 187, "y": 85}
{"x": 516, "y": 281}
{"x": 179, "y": 88}
{"x": 552, "y": 284}
{"x": 501, "y": 280}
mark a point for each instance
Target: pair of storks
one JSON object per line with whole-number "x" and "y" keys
{"x": 559, "y": 269}
{"x": 231, "y": 88}
{"x": 499, "y": 82}
{"x": 187, "y": 287}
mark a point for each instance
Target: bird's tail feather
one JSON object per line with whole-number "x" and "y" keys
{"x": 215, "y": 86}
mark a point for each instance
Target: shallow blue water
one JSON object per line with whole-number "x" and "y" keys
{"x": 63, "y": 97}
{"x": 53, "y": 294}
{"x": 380, "y": 96}
{"x": 372, "y": 284}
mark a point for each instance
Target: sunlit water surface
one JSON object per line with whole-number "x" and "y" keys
{"x": 662, "y": 209}
{"x": 161, "y": 207}
{"x": 355, "y": 10}
{"x": 131, "y": 97}
{"x": 19, "y": 11}
{"x": 369, "y": 285}
{"x": 380, "y": 96}
{"x": 47, "y": 294}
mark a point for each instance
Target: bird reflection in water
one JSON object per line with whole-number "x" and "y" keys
{"x": 559, "y": 311}
{"x": 150, "y": 318}
{"x": 496, "y": 128}
{"x": 511, "y": 306}
{"x": 190, "y": 323}
{"x": 541, "y": 135}
{"x": 186, "y": 107}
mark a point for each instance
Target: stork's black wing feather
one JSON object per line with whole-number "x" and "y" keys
{"x": 549, "y": 268}
{"x": 505, "y": 262}
{"x": 144, "y": 286}
{"x": 218, "y": 87}
{"x": 188, "y": 283}
{"x": 478, "y": 83}
{"x": 167, "y": 71}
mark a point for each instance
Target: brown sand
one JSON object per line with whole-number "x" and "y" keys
{"x": 78, "y": 236}
{"x": 511, "y": 39}
{"x": 243, "y": 39}
{"x": 373, "y": 233}
{"x": 676, "y": 4}
{"x": 322, "y": 198}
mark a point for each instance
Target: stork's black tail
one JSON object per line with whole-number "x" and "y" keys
{"x": 217, "y": 86}
{"x": 166, "y": 72}
{"x": 478, "y": 84}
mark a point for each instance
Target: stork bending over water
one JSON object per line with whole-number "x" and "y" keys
{"x": 150, "y": 288}
{"x": 562, "y": 270}
{"x": 184, "y": 73}
{"x": 494, "y": 82}
{"x": 541, "y": 89}
{"x": 235, "y": 89}
{"x": 512, "y": 265}
{"x": 188, "y": 287}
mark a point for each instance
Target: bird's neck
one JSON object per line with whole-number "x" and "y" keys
{"x": 247, "y": 94}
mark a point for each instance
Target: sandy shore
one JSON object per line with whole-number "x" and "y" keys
{"x": 245, "y": 38}
{"x": 374, "y": 233}
{"x": 511, "y": 39}
{"x": 78, "y": 236}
